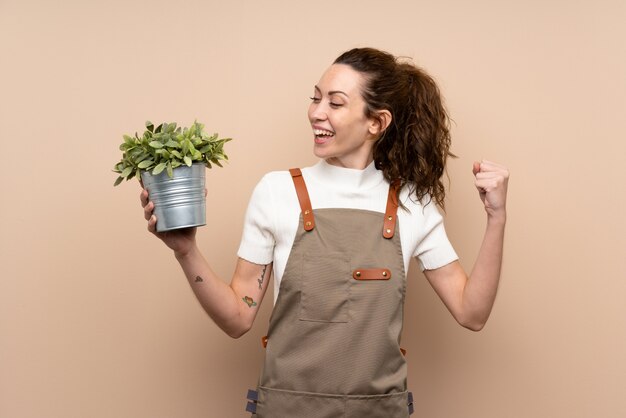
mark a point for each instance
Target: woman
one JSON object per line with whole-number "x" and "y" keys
{"x": 338, "y": 238}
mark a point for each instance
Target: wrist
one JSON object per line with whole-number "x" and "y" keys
{"x": 187, "y": 253}
{"x": 496, "y": 218}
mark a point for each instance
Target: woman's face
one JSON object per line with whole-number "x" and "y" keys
{"x": 342, "y": 135}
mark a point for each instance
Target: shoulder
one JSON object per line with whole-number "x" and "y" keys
{"x": 274, "y": 188}
{"x": 275, "y": 177}
{"x": 274, "y": 182}
{"x": 423, "y": 212}
{"x": 281, "y": 180}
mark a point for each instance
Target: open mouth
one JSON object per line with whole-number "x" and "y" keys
{"x": 322, "y": 135}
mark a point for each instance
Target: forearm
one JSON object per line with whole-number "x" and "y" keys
{"x": 216, "y": 297}
{"x": 480, "y": 290}
{"x": 470, "y": 299}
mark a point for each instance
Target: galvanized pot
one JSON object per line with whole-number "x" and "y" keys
{"x": 179, "y": 202}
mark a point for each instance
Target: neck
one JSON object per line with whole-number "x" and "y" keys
{"x": 356, "y": 164}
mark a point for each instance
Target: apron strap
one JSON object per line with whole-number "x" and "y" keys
{"x": 389, "y": 226}
{"x": 303, "y": 198}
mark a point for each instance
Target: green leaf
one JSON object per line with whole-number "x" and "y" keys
{"x": 159, "y": 168}
{"x": 168, "y": 146}
{"x": 145, "y": 163}
{"x": 190, "y": 147}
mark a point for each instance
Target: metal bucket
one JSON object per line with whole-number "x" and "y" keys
{"x": 179, "y": 202}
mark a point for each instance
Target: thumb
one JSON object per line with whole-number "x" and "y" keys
{"x": 476, "y": 167}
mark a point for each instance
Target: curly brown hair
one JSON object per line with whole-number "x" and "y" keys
{"x": 416, "y": 144}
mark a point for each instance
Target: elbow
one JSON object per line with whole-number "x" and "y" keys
{"x": 238, "y": 331}
{"x": 236, "y": 334}
{"x": 473, "y": 324}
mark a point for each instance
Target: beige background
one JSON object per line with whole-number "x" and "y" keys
{"x": 96, "y": 319}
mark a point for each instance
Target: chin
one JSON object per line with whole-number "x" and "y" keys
{"x": 320, "y": 152}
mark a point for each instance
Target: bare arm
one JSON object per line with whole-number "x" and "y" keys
{"x": 232, "y": 307}
{"x": 470, "y": 299}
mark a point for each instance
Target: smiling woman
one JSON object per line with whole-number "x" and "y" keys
{"x": 344, "y": 136}
{"x": 340, "y": 247}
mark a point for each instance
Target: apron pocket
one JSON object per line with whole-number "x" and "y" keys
{"x": 325, "y": 288}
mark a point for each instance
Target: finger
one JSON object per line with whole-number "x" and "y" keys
{"x": 143, "y": 196}
{"x": 490, "y": 184}
{"x": 476, "y": 167}
{"x": 206, "y": 192}
{"x": 152, "y": 224}
{"x": 147, "y": 210}
{"x": 486, "y": 165}
{"x": 489, "y": 175}
{"x": 487, "y": 170}
{"x": 484, "y": 185}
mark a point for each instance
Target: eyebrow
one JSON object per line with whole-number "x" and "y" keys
{"x": 330, "y": 93}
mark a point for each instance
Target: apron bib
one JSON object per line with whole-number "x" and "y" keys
{"x": 333, "y": 344}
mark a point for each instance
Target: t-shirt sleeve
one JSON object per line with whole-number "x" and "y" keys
{"x": 434, "y": 249}
{"x": 257, "y": 241}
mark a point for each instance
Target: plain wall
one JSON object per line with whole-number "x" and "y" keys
{"x": 96, "y": 318}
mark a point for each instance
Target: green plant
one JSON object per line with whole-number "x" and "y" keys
{"x": 166, "y": 148}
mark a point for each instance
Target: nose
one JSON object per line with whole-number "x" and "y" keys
{"x": 317, "y": 112}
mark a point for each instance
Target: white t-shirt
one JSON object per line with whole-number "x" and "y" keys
{"x": 273, "y": 215}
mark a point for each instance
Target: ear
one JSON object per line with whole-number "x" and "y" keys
{"x": 380, "y": 122}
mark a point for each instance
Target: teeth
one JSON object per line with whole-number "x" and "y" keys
{"x": 322, "y": 132}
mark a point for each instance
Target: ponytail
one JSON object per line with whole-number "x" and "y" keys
{"x": 415, "y": 146}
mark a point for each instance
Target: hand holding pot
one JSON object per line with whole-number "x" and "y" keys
{"x": 181, "y": 241}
